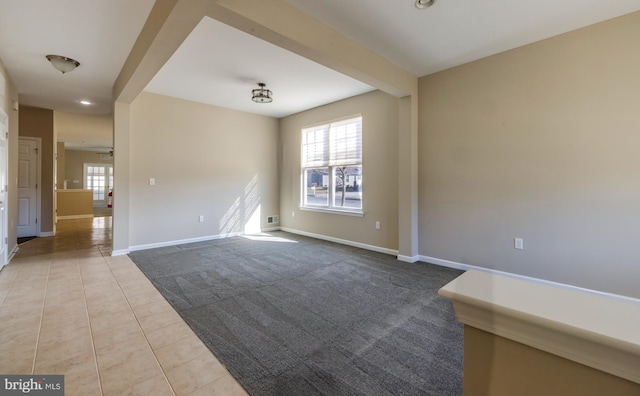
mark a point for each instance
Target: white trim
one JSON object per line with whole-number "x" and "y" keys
{"x": 378, "y": 249}
{"x": 467, "y": 267}
{"x": 46, "y": 234}
{"x": 595, "y": 330}
{"x": 40, "y": 188}
{"x": 342, "y": 241}
{"x": 4, "y": 138}
{"x": 324, "y": 209}
{"x": 409, "y": 259}
{"x": 15, "y": 250}
{"x": 181, "y": 241}
{"x": 120, "y": 252}
{"x": 84, "y": 216}
{"x": 108, "y": 171}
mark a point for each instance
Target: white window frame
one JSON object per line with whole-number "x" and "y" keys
{"x": 320, "y": 151}
{"x": 108, "y": 181}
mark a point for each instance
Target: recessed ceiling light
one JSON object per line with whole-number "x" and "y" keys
{"x": 85, "y": 102}
{"x": 422, "y": 4}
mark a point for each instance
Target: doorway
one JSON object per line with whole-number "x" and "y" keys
{"x": 4, "y": 186}
{"x": 99, "y": 179}
{"x": 28, "y": 181}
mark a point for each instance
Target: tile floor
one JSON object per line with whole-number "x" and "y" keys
{"x": 68, "y": 307}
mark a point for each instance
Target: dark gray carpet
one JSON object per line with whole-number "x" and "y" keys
{"x": 310, "y": 317}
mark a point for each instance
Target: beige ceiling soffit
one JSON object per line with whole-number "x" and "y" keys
{"x": 285, "y": 26}
{"x": 168, "y": 25}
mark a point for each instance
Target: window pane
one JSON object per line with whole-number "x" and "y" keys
{"x": 315, "y": 146}
{"x": 348, "y": 182}
{"x": 97, "y": 180}
{"x": 317, "y": 183}
{"x": 346, "y": 142}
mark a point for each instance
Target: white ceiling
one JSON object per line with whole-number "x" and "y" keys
{"x": 97, "y": 33}
{"x": 454, "y": 32}
{"x": 220, "y": 65}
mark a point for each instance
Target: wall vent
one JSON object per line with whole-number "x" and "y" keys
{"x": 275, "y": 219}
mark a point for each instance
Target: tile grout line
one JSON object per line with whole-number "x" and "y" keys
{"x": 198, "y": 338}
{"x": 44, "y": 299}
{"x": 141, "y": 329}
{"x": 86, "y": 309}
{"x": 10, "y": 287}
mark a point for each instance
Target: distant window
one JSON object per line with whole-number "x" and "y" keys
{"x": 99, "y": 179}
{"x": 332, "y": 166}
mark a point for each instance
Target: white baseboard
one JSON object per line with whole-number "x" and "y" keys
{"x": 120, "y": 252}
{"x": 342, "y": 241}
{"x": 466, "y": 267}
{"x": 451, "y": 264}
{"x": 178, "y": 242}
{"x": 47, "y": 234}
{"x": 13, "y": 252}
{"x": 408, "y": 259}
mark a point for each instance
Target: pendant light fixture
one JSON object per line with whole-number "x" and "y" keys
{"x": 62, "y": 63}
{"x": 261, "y": 95}
{"x": 422, "y": 4}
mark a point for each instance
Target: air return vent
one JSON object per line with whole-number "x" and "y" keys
{"x": 275, "y": 219}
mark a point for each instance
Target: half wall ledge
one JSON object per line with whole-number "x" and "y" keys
{"x": 597, "y": 331}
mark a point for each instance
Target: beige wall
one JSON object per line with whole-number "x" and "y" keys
{"x": 283, "y": 25}
{"x": 497, "y": 366}
{"x": 96, "y": 129}
{"x": 206, "y": 160}
{"x": 75, "y": 203}
{"x": 37, "y": 122}
{"x": 541, "y": 143}
{"x": 60, "y": 165}
{"x": 380, "y": 172}
{"x": 74, "y": 166}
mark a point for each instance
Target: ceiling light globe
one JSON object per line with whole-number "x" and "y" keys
{"x": 422, "y": 4}
{"x": 63, "y": 63}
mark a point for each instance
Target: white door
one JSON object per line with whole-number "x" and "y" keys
{"x": 4, "y": 135}
{"x": 28, "y": 187}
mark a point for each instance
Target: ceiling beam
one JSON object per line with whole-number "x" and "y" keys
{"x": 283, "y": 25}
{"x": 169, "y": 23}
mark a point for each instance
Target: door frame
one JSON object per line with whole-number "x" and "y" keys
{"x": 38, "y": 141}
{"x": 107, "y": 174}
{"x": 4, "y": 132}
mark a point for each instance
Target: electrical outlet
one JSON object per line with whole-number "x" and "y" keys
{"x": 152, "y": 181}
{"x": 201, "y": 219}
{"x": 293, "y": 213}
{"x": 518, "y": 243}
{"x": 377, "y": 225}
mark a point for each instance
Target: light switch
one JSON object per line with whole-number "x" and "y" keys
{"x": 518, "y": 243}
{"x": 152, "y": 181}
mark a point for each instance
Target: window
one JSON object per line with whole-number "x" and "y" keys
{"x": 99, "y": 178}
{"x": 332, "y": 166}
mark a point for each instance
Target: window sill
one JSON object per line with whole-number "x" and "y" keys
{"x": 332, "y": 211}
